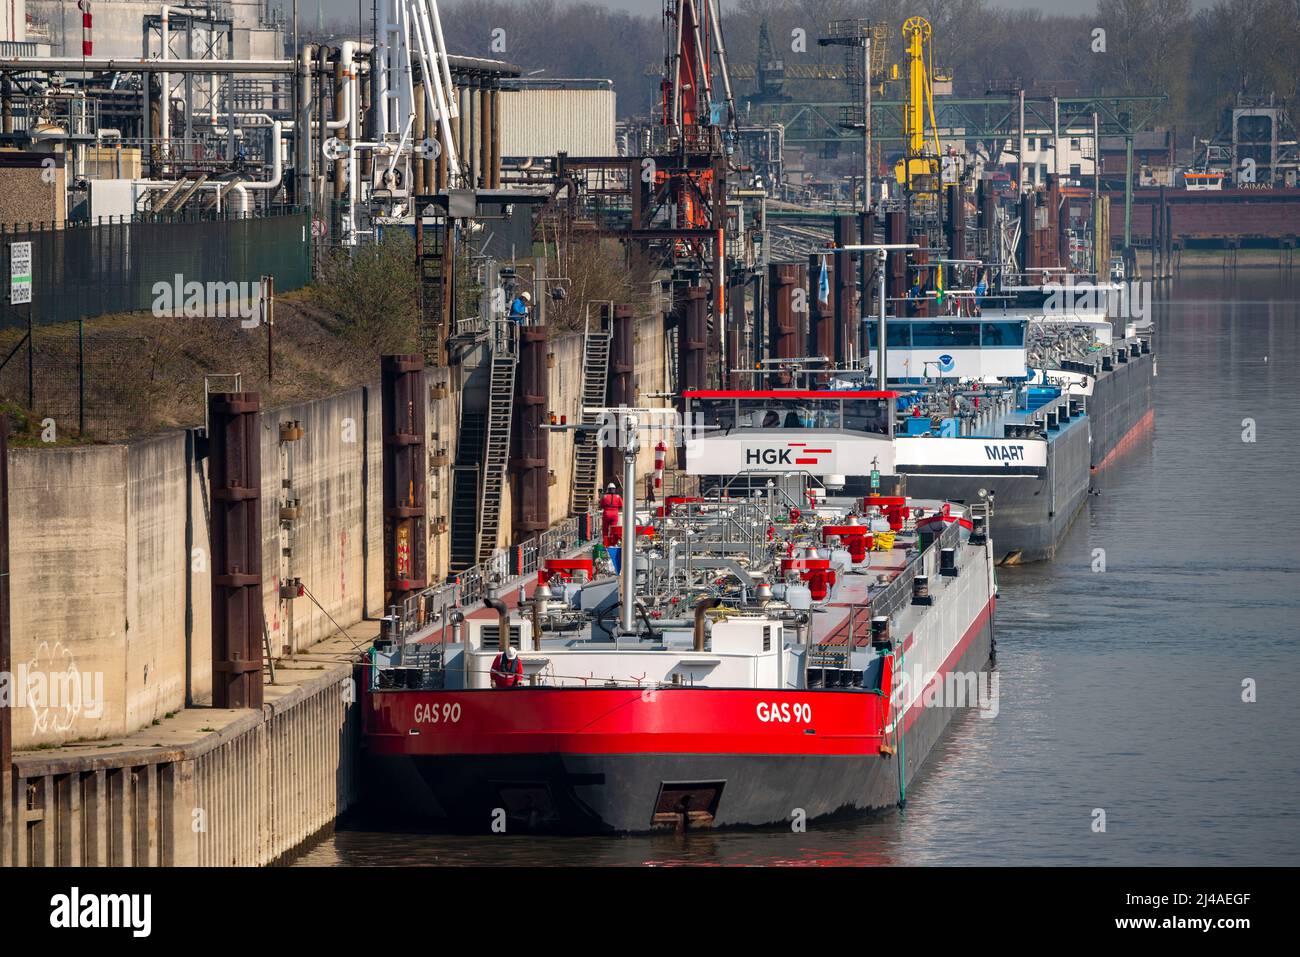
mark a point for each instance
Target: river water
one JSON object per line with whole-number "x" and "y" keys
{"x": 1121, "y": 690}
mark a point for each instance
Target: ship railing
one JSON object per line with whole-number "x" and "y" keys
{"x": 505, "y": 337}
{"x": 897, "y": 594}
{"x": 557, "y": 540}
{"x": 727, "y": 526}
{"x": 433, "y": 605}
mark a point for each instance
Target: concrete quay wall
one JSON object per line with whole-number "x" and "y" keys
{"x": 204, "y": 788}
{"x": 110, "y": 580}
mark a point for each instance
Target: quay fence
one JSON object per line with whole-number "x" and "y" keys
{"x": 82, "y": 372}
{"x": 109, "y": 266}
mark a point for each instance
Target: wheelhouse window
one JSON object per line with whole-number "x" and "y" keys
{"x": 715, "y": 413}
{"x": 867, "y": 415}
{"x": 856, "y": 414}
{"x": 1003, "y": 333}
{"x": 945, "y": 335}
{"x": 760, "y": 413}
{"x": 898, "y": 334}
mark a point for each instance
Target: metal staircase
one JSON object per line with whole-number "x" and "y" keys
{"x": 432, "y": 251}
{"x": 465, "y": 486}
{"x": 586, "y": 445}
{"x": 496, "y": 450}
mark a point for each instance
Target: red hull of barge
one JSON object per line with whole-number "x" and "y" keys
{"x": 626, "y": 760}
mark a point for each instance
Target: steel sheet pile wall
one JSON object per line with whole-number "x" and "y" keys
{"x": 692, "y": 309}
{"x": 787, "y": 324}
{"x": 847, "y": 316}
{"x": 241, "y": 797}
{"x": 406, "y": 565}
{"x": 235, "y": 471}
{"x": 530, "y": 454}
{"x": 821, "y": 337}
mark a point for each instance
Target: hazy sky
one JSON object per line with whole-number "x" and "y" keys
{"x": 307, "y": 8}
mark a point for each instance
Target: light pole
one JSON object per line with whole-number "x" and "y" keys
{"x": 624, "y": 424}
{"x": 882, "y": 251}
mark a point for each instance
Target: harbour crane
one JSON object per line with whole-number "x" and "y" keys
{"x": 918, "y": 170}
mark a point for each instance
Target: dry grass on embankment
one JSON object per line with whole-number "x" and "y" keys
{"x": 144, "y": 373}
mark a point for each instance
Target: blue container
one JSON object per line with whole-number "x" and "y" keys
{"x": 1039, "y": 396}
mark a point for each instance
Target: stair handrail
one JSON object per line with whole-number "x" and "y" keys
{"x": 505, "y": 333}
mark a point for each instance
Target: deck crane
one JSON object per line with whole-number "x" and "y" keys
{"x": 697, "y": 133}
{"x": 691, "y": 109}
{"x": 918, "y": 170}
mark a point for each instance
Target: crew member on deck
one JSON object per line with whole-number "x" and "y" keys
{"x": 521, "y": 307}
{"x": 981, "y": 290}
{"x": 611, "y": 504}
{"x": 507, "y": 669}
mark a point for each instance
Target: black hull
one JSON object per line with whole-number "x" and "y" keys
{"x": 621, "y": 793}
{"x": 1030, "y": 515}
{"x": 1121, "y": 399}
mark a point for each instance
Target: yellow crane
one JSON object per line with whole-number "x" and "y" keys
{"x": 918, "y": 171}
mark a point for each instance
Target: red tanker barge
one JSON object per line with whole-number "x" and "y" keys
{"x": 761, "y": 658}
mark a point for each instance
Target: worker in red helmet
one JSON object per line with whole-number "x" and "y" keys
{"x": 611, "y": 505}
{"x": 507, "y": 669}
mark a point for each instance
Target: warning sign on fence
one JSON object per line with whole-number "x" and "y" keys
{"x": 20, "y": 273}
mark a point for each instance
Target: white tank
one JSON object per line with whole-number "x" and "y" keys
{"x": 798, "y": 596}
{"x": 841, "y": 559}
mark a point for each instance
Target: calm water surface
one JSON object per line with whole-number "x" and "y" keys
{"x": 1120, "y": 690}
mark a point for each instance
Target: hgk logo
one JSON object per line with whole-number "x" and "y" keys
{"x": 768, "y": 457}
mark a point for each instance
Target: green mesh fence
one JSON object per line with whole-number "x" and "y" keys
{"x": 108, "y": 267}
